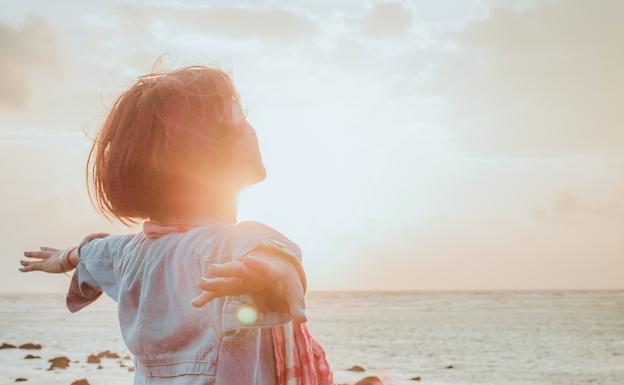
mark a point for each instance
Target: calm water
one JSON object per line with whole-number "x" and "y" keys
{"x": 493, "y": 338}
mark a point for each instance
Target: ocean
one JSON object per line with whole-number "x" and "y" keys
{"x": 493, "y": 338}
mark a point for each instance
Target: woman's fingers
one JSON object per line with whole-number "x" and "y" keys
{"x": 234, "y": 269}
{"x": 39, "y": 254}
{"x": 222, "y": 286}
{"x": 203, "y": 298}
{"x": 235, "y": 278}
{"x": 227, "y": 269}
{"x": 30, "y": 266}
{"x": 46, "y": 248}
{"x": 262, "y": 267}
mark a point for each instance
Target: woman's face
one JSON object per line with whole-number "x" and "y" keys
{"x": 248, "y": 168}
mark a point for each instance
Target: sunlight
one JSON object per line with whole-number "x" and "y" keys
{"x": 247, "y": 314}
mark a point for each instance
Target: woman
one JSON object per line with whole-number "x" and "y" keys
{"x": 202, "y": 298}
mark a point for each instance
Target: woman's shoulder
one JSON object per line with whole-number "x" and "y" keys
{"x": 109, "y": 244}
{"x": 253, "y": 230}
{"x": 247, "y": 235}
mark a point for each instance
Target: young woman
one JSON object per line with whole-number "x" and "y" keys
{"x": 202, "y": 298}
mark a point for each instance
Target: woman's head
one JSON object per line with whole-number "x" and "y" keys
{"x": 172, "y": 141}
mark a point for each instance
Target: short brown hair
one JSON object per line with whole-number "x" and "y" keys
{"x": 158, "y": 141}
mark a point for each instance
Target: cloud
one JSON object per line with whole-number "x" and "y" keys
{"x": 567, "y": 207}
{"x": 28, "y": 48}
{"x": 266, "y": 23}
{"x": 387, "y": 19}
{"x": 545, "y": 79}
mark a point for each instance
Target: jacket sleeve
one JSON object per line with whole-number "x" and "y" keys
{"x": 97, "y": 272}
{"x": 265, "y": 307}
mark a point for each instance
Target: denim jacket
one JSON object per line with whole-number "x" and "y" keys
{"x": 153, "y": 281}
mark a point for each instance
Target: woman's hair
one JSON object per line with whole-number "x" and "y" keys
{"x": 159, "y": 143}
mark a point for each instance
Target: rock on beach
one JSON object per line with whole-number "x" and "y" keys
{"x": 108, "y": 354}
{"x": 58, "y": 362}
{"x": 30, "y": 346}
{"x": 93, "y": 359}
{"x": 370, "y": 380}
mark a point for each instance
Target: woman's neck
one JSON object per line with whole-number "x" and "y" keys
{"x": 223, "y": 208}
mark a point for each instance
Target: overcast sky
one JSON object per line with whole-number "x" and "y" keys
{"x": 410, "y": 144}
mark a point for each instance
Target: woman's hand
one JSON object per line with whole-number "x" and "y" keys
{"x": 256, "y": 272}
{"x": 47, "y": 259}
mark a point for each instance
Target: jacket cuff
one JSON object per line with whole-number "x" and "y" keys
{"x": 80, "y": 293}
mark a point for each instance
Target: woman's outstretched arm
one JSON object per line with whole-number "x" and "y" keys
{"x": 55, "y": 261}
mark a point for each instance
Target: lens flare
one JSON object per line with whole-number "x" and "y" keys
{"x": 247, "y": 314}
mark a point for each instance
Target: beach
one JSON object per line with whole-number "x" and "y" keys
{"x": 494, "y": 338}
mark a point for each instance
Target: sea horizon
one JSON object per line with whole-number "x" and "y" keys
{"x": 390, "y": 291}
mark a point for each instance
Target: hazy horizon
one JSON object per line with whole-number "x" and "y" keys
{"x": 381, "y": 291}
{"x": 451, "y": 145}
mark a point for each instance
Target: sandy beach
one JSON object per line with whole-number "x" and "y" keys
{"x": 494, "y": 338}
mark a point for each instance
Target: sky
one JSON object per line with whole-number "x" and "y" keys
{"x": 410, "y": 145}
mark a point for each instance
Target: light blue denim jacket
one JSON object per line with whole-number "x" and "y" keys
{"x": 153, "y": 282}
